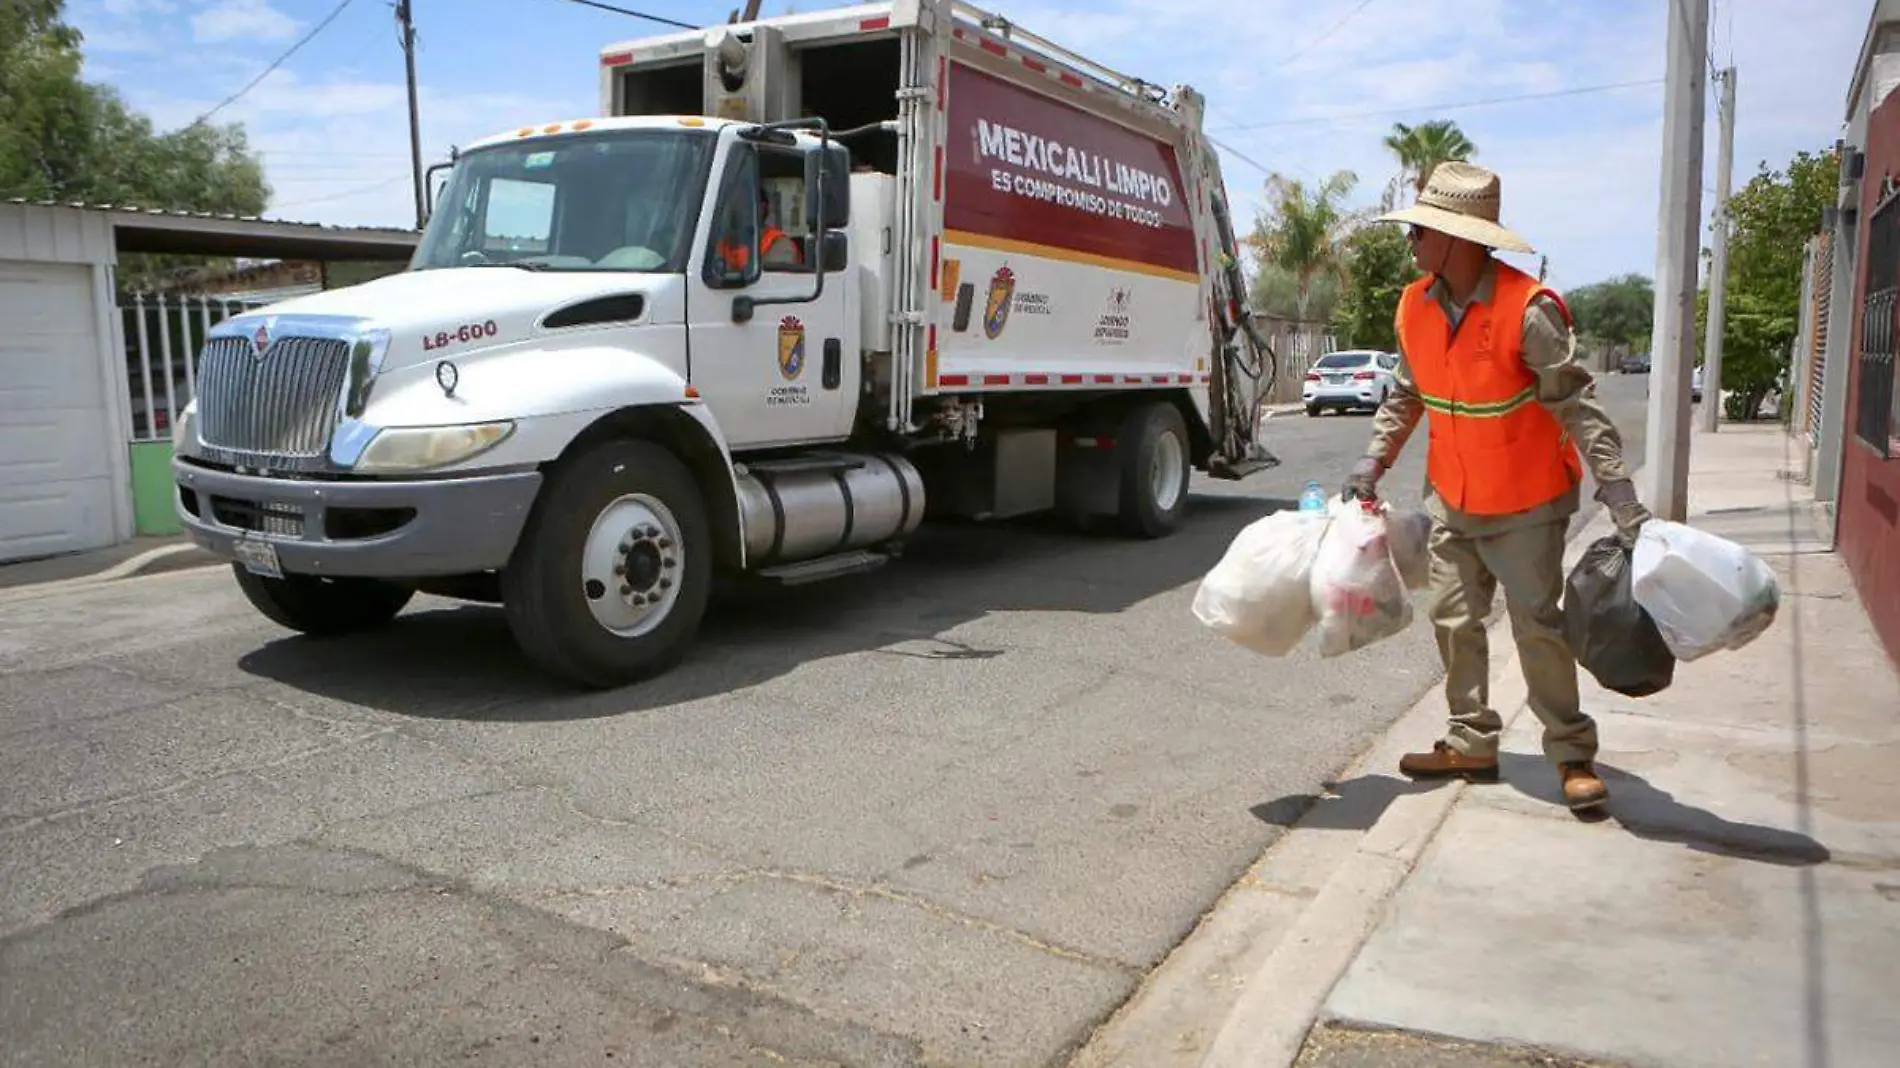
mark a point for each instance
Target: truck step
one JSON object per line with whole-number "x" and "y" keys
{"x": 825, "y": 567}
{"x": 820, "y": 461}
{"x": 1235, "y": 470}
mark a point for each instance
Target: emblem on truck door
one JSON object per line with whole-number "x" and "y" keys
{"x": 996, "y": 307}
{"x": 791, "y": 347}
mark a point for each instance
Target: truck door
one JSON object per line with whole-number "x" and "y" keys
{"x": 781, "y": 377}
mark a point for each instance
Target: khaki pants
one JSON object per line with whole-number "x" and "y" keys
{"x": 1465, "y": 574}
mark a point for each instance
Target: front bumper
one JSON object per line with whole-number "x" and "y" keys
{"x": 1340, "y": 397}
{"x": 383, "y": 529}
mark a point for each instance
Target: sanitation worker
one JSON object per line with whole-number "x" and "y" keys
{"x": 1488, "y": 359}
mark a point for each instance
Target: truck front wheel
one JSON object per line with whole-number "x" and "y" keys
{"x": 613, "y": 571}
{"x": 1153, "y": 449}
{"x": 323, "y": 607}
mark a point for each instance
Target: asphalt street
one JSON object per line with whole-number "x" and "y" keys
{"x": 949, "y": 813}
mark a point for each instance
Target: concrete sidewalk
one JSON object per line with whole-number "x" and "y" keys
{"x": 1740, "y": 904}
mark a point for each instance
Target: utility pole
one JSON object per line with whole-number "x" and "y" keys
{"x": 1672, "y": 349}
{"x": 407, "y": 22}
{"x": 1718, "y": 269}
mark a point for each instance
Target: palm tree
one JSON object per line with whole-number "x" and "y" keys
{"x": 1305, "y": 232}
{"x": 1423, "y": 147}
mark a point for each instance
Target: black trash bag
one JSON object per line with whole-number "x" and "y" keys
{"x": 1612, "y": 636}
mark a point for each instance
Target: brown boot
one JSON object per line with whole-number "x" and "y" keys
{"x": 1582, "y": 788}
{"x": 1445, "y": 762}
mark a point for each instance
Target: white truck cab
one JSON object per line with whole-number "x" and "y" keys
{"x": 639, "y": 351}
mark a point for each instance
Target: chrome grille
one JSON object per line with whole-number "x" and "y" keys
{"x": 274, "y": 411}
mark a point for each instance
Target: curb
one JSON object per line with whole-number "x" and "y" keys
{"x": 165, "y": 558}
{"x": 1281, "y": 1001}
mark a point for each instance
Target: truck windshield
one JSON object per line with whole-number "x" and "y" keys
{"x": 616, "y": 201}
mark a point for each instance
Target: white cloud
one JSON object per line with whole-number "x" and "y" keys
{"x": 230, "y": 20}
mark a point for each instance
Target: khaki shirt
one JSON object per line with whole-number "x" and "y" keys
{"x": 1565, "y": 388}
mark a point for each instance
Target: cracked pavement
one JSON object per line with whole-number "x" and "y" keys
{"x": 946, "y": 814}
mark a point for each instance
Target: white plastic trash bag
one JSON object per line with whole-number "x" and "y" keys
{"x": 1411, "y": 535}
{"x": 1257, "y": 595}
{"x": 1356, "y": 588}
{"x": 1705, "y": 593}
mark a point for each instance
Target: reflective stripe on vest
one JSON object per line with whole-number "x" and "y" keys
{"x": 1494, "y": 450}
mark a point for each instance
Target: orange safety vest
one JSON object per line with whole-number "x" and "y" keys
{"x": 737, "y": 256}
{"x": 1494, "y": 450}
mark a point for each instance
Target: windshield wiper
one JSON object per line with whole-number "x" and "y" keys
{"x": 510, "y": 263}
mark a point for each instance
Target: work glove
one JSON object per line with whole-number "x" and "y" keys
{"x": 1363, "y": 482}
{"x": 1626, "y": 511}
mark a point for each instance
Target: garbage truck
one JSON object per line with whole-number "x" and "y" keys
{"x": 805, "y": 283}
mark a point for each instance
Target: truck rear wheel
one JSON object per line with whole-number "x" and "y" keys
{"x": 613, "y": 571}
{"x": 1152, "y": 447}
{"x": 323, "y": 607}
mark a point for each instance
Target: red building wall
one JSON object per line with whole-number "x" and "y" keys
{"x": 1870, "y": 485}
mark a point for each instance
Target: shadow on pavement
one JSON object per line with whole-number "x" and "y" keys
{"x": 460, "y": 661}
{"x": 1647, "y": 811}
{"x": 1352, "y": 805}
{"x": 1636, "y": 805}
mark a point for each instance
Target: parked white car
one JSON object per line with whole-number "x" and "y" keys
{"x": 1349, "y": 379}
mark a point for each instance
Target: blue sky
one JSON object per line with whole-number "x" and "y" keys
{"x": 1301, "y": 86}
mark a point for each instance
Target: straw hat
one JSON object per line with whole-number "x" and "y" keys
{"x": 1461, "y": 199}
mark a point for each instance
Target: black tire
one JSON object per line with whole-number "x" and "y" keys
{"x": 542, "y": 587}
{"x": 1312, "y": 411}
{"x": 324, "y": 607}
{"x": 1139, "y": 444}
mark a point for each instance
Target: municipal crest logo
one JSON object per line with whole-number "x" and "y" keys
{"x": 996, "y": 307}
{"x": 791, "y": 347}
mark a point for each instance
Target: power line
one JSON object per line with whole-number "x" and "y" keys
{"x": 1239, "y": 155}
{"x": 1308, "y": 47}
{"x": 1578, "y": 91}
{"x": 636, "y": 14}
{"x": 373, "y": 186}
{"x": 292, "y": 50}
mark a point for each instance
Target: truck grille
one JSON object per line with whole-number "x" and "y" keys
{"x": 276, "y": 410}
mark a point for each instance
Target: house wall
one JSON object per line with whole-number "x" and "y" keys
{"x": 1869, "y": 502}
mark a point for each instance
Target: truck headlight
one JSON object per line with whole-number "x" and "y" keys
{"x": 184, "y": 428}
{"x": 423, "y": 447}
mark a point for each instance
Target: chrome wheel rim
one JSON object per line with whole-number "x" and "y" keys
{"x": 632, "y": 565}
{"x": 1165, "y": 480}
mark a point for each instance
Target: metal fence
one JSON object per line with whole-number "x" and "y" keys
{"x": 1297, "y": 347}
{"x": 163, "y": 335}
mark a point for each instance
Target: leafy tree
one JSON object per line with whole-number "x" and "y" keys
{"x": 1421, "y": 148}
{"x": 1619, "y": 312}
{"x": 1276, "y": 294}
{"x": 1378, "y": 268}
{"x": 1771, "y": 219}
{"x": 65, "y": 139}
{"x": 1304, "y": 231}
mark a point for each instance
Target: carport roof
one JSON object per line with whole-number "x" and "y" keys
{"x": 156, "y": 230}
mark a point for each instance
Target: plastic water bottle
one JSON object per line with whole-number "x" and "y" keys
{"x": 1312, "y": 499}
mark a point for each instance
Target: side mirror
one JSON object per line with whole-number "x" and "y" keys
{"x": 835, "y": 163}
{"x": 837, "y": 250}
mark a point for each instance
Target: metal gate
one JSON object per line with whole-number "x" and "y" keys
{"x": 163, "y": 334}
{"x": 1817, "y": 353}
{"x": 1873, "y": 414}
